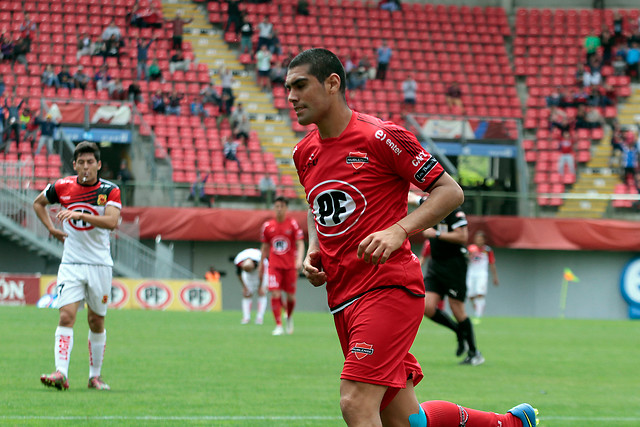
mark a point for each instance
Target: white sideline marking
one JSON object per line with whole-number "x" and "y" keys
{"x": 257, "y": 418}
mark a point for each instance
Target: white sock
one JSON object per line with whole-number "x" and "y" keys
{"x": 479, "y": 306}
{"x": 246, "y": 308}
{"x": 62, "y": 349}
{"x": 97, "y": 344}
{"x": 262, "y": 306}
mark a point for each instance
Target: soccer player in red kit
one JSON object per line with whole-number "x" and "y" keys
{"x": 91, "y": 210}
{"x": 283, "y": 244}
{"x": 356, "y": 170}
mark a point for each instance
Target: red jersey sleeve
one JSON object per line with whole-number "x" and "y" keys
{"x": 263, "y": 233}
{"x": 406, "y": 157}
{"x": 297, "y": 231}
{"x": 113, "y": 199}
{"x": 490, "y": 255}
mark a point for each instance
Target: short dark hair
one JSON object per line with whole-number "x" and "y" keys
{"x": 322, "y": 63}
{"x": 86, "y": 147}
{"x": 281, "y": 199}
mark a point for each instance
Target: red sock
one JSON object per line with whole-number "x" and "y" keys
{"x": 276, "y": 306}
{"x": 447, "y": 414}
{"x": 290, "y": 306}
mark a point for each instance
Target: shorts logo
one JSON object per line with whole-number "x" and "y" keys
{"x": 362, "y": 350}
{"x": 357, "y": 159}
{"x": 102, "y": 199}
{"x": 105, "y": 298}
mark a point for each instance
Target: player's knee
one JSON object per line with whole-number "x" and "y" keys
{"x": 96, "y": 323}
{"x": 67, "y": 319}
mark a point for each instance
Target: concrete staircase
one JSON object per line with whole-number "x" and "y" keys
{"x": 631, "y": 108}
{"x": 209, "y": 47}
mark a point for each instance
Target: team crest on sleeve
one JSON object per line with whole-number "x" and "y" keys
{"x": 337, "y": 206}
{"x": 357, "y": 159}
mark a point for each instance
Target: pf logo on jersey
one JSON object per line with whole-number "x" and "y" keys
{"x": 280, "y": 245}
{"x": 337, "y": 206}
{"x": 82, "y": 208}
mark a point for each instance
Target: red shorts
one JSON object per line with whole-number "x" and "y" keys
{"x": 376, "y": 333}
{"x": 284, "y": 279}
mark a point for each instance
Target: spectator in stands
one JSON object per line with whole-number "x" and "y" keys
{"x": 224, "y": 109}
{"x": 49, "y": 78}
{"x": 151, "y": 17}
{"x": 47, "y": 133}
{"x": 453, "y": 97}
{"x": 13, "y": 123}
{"x": 230, "y": 149}
{"x": 635, "y": 37}
{"x": 65, "y": 78}
{"x": 390, "y": 5}
{"x": 592, "y": 76}
{"x": 158, "y": 104}
{"x": 111, "y": 30}
{"x": 554, "y": 97}
{"x": 581, "y": 121}
{"x": 197, "y": 189}
{"x": 143, "y": 57}
{"x": 265, "y": 31}
{"x": 594, "y": 118}
{"x": 619, "y": 65}
{"x": 263, "y": 65}
{"x": 633, "y": 60}
{"x": 278, "y": 73}
{"x": 267, "y": 189}
{"x": 302, "y": 7}
{"x": 618, "y": 27}
{"x": 178, "y": 30}
{"x": 607, "y": 42}
{"x": 2, "y": 125}
{"x": 629, "y": 161}
{"x": 409, "y": 92}
{"x": 80, "y": 78}
{"x": 25, "y": 117}
{"x": 84, "y": 46}
{"x": 358, "y": 79}
{"x": 234, "y": 16}
{"x": 178, "y": 62}
{"x": 155, "y": 73}
{"x": 27, "y": 30}
{"x": 117, "y": 90}
{"x": 226, "y": 81}
{"x": 112, "y": 48}
{"x": 566, "y": 158}
{"x": 366, "y": 64}
{"x": 197, "y": 107}
{"x": 3, "y": 87}
{"x": 31, "y": 129}
{"x": 591, "y": 45}
{"x": 125, "y": 176}
{"x": 173, "y": 102}
{"x": 351, "y": 63}
{"x": 210, "y": 95}
{"x": 20, "y": 51}
{"x": 384, "y": 54}
{"x": 275, "y": 47}
{"x": 246, "y": 34}
{"x": 102, "y": 77}
{"x": 98, "y": 48}
{"x": 558, "y": 119}
{"x": 134, "y": 92}
{"x": 6, "y": 47}
{"x": 240, "y": 124}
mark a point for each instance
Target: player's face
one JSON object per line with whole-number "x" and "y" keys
{"x": 87, "y": 167}
{"x": 308, "y": 96}
{"x": 479, "y": 239}
{"x": 281, "y": 210}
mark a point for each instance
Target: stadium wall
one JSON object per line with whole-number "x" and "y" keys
{"x": 530, "y": 280}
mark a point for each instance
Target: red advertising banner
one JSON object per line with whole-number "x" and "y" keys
{"x": 19, "y": 289}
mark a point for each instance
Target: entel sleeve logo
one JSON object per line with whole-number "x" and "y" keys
{"x": 337, "y": 206}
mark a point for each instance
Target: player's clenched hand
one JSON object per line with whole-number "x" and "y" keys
{"x": 58, "y": 234}
{"x": 376, "y": 248}
{"x": 68, "y": 214}
{"x": 312, "y": 269}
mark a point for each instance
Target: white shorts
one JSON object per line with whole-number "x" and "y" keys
{"x": 85, "y": 282}
{"x": 253, "y": 281}
{"x": 477, "y": 284}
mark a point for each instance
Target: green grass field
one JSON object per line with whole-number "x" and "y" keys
{"x": 176, "y": 368}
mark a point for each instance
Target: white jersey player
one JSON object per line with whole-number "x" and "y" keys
{"x": 247, "y": 262}
{"x": 481, "y": 259}
{"x": 91, "y": 209}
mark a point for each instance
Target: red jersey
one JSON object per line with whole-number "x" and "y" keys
{"x": 357, "y": 184}
{"x": 282, "y": 237}
{"x": 85, "y": 244}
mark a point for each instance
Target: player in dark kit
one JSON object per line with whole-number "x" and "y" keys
{"x": 447, "y": 275}
{"x": 356, "y": 171}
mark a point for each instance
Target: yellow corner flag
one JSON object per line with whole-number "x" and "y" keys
{"x": 569, "y": 276}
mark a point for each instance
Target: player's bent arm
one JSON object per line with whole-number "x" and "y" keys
{"x": 264, "y": 254}
{"x": 460, "y": 236}
{"x": 40, "y": 207}
{"x": 107, "y": 221}
{"x": 300, "y": 254}
{"x": 445, "y": 195}
{"x": 312, "y": 264}
{"x": 494, "y": 273}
